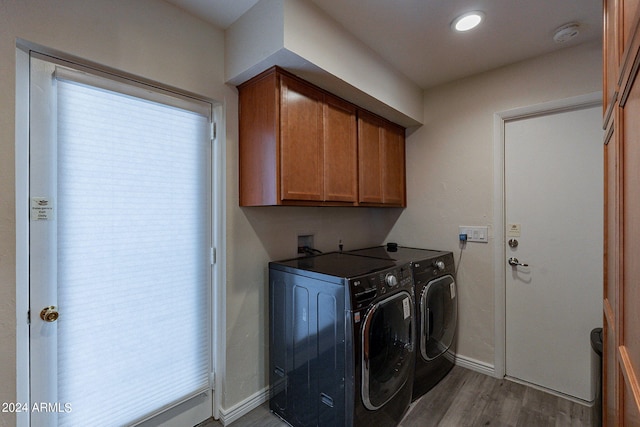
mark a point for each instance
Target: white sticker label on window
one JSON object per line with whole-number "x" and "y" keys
{"x": 406, "y": 308}
{"x": 41, "y": 209}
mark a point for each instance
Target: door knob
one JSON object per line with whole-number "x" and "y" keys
{"x": 49, "y": 314}
{"x": 514, "y": 262}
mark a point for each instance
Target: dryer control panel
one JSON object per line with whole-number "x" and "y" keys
{"x": 365, "y": 289}
{"x": 427, "y": 269}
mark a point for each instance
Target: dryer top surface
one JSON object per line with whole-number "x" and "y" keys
{"x": 401, "y": 254}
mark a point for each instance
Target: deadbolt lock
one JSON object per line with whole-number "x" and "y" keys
{"x": 49, "y": 314}
{"x": 513, "y": 243}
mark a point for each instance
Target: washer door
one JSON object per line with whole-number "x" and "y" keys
{"x": 438, "y": 311}
{"x": 387, "y": 349}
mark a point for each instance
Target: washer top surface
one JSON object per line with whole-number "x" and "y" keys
{"x": 400, "y": 254}
{"x": 338, "y": 264}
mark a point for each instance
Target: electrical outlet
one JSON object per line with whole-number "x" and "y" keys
{"x": 475, "y": 234}
{"x": 305, "y": 241}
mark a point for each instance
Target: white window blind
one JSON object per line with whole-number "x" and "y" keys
{"x": 133, "y": 214}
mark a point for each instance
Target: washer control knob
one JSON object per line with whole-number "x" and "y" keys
{"x": 439, "y": 265}
{"x": 391, "y": 280}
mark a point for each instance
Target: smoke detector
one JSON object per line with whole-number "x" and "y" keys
{"x": 566, "y": 32}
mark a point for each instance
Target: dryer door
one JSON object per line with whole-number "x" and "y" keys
{"x": 438, "y": 311}
{"x": 387, "y": 349}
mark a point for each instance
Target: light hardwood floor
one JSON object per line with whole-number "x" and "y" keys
{"x": 467, "y": 398}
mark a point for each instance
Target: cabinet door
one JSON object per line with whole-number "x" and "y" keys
{"x": 393, "y": 165}
{"x": 381, "y": 161}
{"x": 370, "y": 138}
{"x": 611, "y": 272}
{"x": 340, "y": 151}
{"x": 628, "y": 321}
{"x": 622, "y": 221}
{"x": 301, "y": 141}
{"x": 257, "y": 146}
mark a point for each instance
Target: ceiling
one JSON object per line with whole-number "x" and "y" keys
{"x": 416, "y": 38}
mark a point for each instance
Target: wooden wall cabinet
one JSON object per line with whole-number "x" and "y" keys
{"x": 381, "y": 161}
{"x": 621, "y": 293}
{"x": 299, "y": 145}
{"x": 301, "y": 119}
{"x": 340, "y": 151}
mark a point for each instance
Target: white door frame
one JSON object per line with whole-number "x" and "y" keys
{"x": 499, "y": 247}
{"x": 219, "y": 279}
{"x": 22, "y": 233}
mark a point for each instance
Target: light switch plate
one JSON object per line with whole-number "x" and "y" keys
{"x": 475, "y": 234}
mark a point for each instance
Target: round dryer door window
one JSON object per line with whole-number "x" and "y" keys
{"x": 387, "y": 349}
{"x": 438, "y": 310}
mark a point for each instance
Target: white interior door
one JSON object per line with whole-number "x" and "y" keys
{"x": 554, "y": 210}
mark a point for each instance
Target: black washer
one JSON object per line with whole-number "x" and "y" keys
{"x": 342, "y": 340}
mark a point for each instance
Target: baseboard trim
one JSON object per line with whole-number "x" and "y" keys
{"x": 553, "y": 392}
{"x": 476, "y": 365}
{"x": 227, "y": 416}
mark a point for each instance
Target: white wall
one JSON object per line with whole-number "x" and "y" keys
{"x": 450, "y": 175}
{"x": 300, "y": 37}
{"x": 253, "y": 41}
{"x": 310, "y": 33}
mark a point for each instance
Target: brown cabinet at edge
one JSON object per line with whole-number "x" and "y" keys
{"x": 381, "y": 161}
{"x": 299, "y": 146}
{"x": 621, "y": 296}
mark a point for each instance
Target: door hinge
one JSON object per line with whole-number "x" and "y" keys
{"x": 214, "y": 131}
{"x": 28, "y": 317}
{"x": 213, "y": 256}
{"x": 212, "y": 378}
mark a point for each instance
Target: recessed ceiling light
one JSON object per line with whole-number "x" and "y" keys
{"x": 467, "y": 21}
